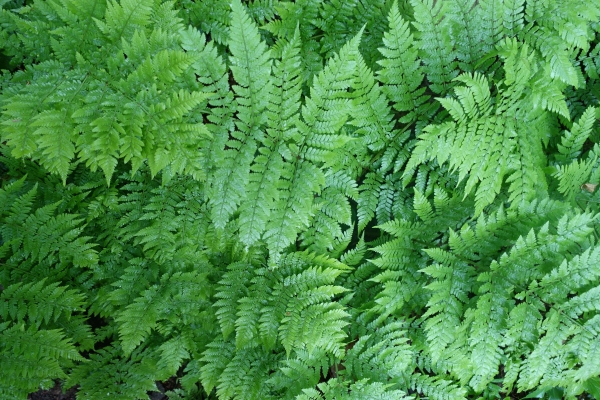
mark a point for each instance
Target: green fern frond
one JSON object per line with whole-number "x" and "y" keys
{"x": 400, "y": 258}
{"x": 327, "y": 109}
{"x": 381, "y": 356}
{"x": 370, "y": 111}
{"x": 295, "y": 208}
{"x": 401, "y": 73}
{"x": 277, "y": 145}
{"x": 333, "y": 215}
{"x": 139, "y": 318}
{"x": 305, "y": 297}
{"x": 216, "y": 357}
{"x": 251, "y": 68}
{"x": 572, "y": 176}
{"x": 573, "y": 140}
{"x": 485, "y": 352}
{"x": 437, "y": 387}
{"x": 551, "y": 30}
{"x": 368, "y": 200}
{"x": 241, "y": 378}
{"x": 41, "y": 240}
{"x": 343, "y": 390}
{"x": 452, "y": 282}
{"x": 31, "y": 357}
{"x": 124, "y": 18}
{"x": 177, "y": 298}
{"x": 467, "y": 21}
{"x": 497, "y": 136}
{"x": 172, "y": 355}
{"x": 262, "y": 200}
{"x": 323, "y": 116}
{"x": 106, "y": 373}
{"x": 212, "y": 77}
{"x": 39, "y": 303}
{"x": 234, "y": 286}
{"x": 434, "y": 43}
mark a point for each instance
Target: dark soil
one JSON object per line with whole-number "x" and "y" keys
{"x": 55, "y": 393}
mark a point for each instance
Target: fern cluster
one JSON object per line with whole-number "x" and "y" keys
{"x": 271, "y": 199}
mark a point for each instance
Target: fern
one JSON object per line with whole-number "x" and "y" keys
{"x": 484, "y": 133}
{"x": 32, "y": 358}
{"x": 276, "y": 152}
{"x": 300, "y": 199}
{"x": 249, "y": 56}
{"x": 434, "y": 42}
{"x": 132, "y": 376}
{"x": 335, "y": 389}
{"x": 108, "y": 110}
{"x": 40, "y": 304}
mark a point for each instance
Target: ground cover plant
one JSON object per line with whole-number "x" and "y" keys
{"x": 342, "y": 199}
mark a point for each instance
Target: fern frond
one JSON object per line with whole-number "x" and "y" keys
{"x": 275, "y": 149}
{"x": 327, "y": 109}
{"x": 401, "y": 73}
{"x": 572, "y": 176}
{"x": 368, "y": 199}
{"x": 305, "y": 295}
{"x": 302, "y": 371}
{"x": 173, "y": 353}
{"x": 466, "y": 27}
{"x": 31, "y": 357}
{"x": 216, "y": 357}
{"x": 334, "y": 213}
{"x": 400, "y": 257}
{"x": 55, "y": 140}
{"x": 434, "y": 43}
{"x": 552, "y": 30}
{"x": 383, "y": 355}
{"x": 437, "y": 387}
{"x": 573, "y": 139}
{"x": 497, "y": 136}
{"x": 370, "y": 112}
{"x": 234, "y": 286}
{"x": 324, "y": 114}
{"x": 108, "y": 372}
{"x": 295, "y": 207}
{"x": 452, "y": 282}
{"x": 251, "y": 67}
{"x": 42, "y": 241}
{"x": 124, "y": 18}
{"x": 485, "y": 345}
{"x": 39, "y": 303}
{"x": 139, "y": 318}
{"x": 213, "y": 77}
{"x": 241, "y": 378}
{"x": 343, "y": 390}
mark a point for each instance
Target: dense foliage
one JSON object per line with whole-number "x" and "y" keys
{"x": 342, "y": 199}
